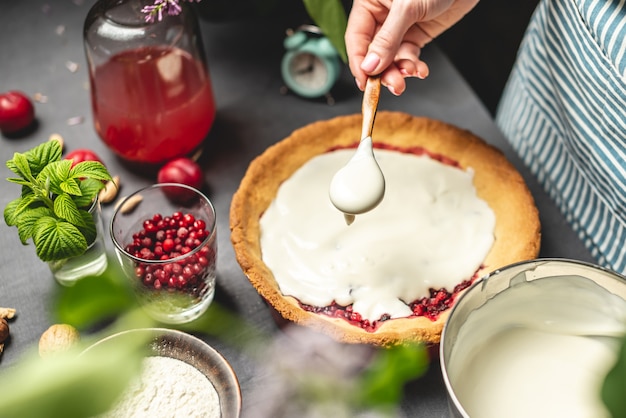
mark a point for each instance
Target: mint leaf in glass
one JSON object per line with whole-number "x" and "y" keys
{"x": 52, "y": 209}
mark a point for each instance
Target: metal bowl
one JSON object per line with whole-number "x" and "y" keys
{"x": 533, "y": 299}
{"x": 193, "y": 351}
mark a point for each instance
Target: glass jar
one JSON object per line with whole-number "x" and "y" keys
{"x": 151, "y": 94}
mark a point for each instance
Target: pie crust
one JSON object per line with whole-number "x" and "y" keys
{"x": 517, "y": 231}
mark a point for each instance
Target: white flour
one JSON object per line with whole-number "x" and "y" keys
{"x": 168, "y": 388}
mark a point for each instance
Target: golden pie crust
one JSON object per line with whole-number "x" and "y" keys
{"x": 517, "y": 231}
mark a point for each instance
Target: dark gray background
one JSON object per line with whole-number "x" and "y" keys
{"x": 39, "y": 38}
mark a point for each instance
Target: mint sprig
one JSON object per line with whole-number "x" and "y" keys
{"x": 53, "y": 208}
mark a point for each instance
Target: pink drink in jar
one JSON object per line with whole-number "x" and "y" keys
{"x": 152, "y": 103}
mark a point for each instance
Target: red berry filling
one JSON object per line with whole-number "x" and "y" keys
{"x": 430, "y": 307}
{"x": 167, "y": 238}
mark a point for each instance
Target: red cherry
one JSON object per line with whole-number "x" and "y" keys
{"x": 16, "y": 112}
{"x": 184, "y": 171}
{"x": 80, "y": 155}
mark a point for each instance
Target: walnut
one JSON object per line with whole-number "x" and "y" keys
{"x": 4, "y": 333}
{"x": 56, "y": 339}
{"x": 7, "y": 313}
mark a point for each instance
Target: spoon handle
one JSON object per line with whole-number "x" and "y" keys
{"x": 370, "y": 103}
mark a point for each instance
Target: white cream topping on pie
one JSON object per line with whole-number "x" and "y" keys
{"x": 430, "y": 231}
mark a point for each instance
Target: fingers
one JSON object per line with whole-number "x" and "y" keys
{"x": 396, "y": 46}
{"x": 393, "y": 77}
{"x": 388, "y": 38}
{"x": 406, "y": 62}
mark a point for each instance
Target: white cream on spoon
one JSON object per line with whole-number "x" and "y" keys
{"x": 359, "y": 186}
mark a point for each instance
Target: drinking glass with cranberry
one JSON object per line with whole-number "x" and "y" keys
{"x": 164, "y": 238}
{"x": 151, "y": 94}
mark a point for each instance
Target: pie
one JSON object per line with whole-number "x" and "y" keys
{"x": 513, "y": 235}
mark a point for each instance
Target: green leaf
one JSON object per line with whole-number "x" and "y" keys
{"x": 27, "y": 219}
{"x": 90, "y": 169}
{"x": 10, "y": 215}
{"x": 19, "y": 165}
{"x": 65, "y": 208}
{"x": 612, "y": 391}
{"x": 88, "y": 228}
{"x": 26, "y": 202}
{"x": 383, "y": 382}
{"x": 74, "y": 384}
{"x": 42, "y": 155}
{"x": 330, "y": 17}
{"x": 57, "y": 240}
{"x": 71, "y": 186}
{"x": 18, "y": 180}
{"x": 95, "y": 299}
{"x": 36, "y": 159}
{"x": 55, "y": 173}
{"x": 89, "y": 189}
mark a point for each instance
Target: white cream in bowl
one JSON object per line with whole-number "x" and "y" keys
{"x": 535, "y": 340}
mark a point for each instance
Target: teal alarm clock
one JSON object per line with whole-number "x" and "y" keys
{"x": 311, "y": 64}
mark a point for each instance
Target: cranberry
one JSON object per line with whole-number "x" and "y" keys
{"x": 16, "y": 112}
{"x": 162, "y": 238}
{"x": 168, "y": 245}
{"x": 429, "y": 307}
{"x": 184, "y": 171}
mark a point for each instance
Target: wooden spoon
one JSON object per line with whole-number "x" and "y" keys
{"x": 359, "y": 186}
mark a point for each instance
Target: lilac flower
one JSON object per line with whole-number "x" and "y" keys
{"x": 170, "y": 7}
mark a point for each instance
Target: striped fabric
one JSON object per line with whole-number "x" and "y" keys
{"x": 564, "y": 111}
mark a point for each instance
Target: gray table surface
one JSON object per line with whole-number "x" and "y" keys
{"x": 40, "y": 39}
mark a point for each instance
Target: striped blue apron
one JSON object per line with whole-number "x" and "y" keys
{"x": 564, "y": 111}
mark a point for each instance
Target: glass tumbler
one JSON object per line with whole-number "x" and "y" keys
{"x": 164, "y": 238}
{"x": 92, "y": 262}
{"x": 151, "y": 93}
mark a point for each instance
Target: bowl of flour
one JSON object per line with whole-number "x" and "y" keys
{"x": 181, "y": 376}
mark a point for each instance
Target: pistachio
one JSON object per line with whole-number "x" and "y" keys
{"x": 57, "y": 339}
{"x": 130, "y": 204}
{"x": 110, "y": 190}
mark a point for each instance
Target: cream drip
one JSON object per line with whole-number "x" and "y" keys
{"x": 430, "y": 231}
{"x": 538, "y": 349}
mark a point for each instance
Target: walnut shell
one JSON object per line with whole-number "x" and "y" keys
{"x": 4, "y": 330}
{"x": 57, "y": 339}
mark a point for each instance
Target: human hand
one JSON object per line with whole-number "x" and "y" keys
{"x": 386, "y": 37}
